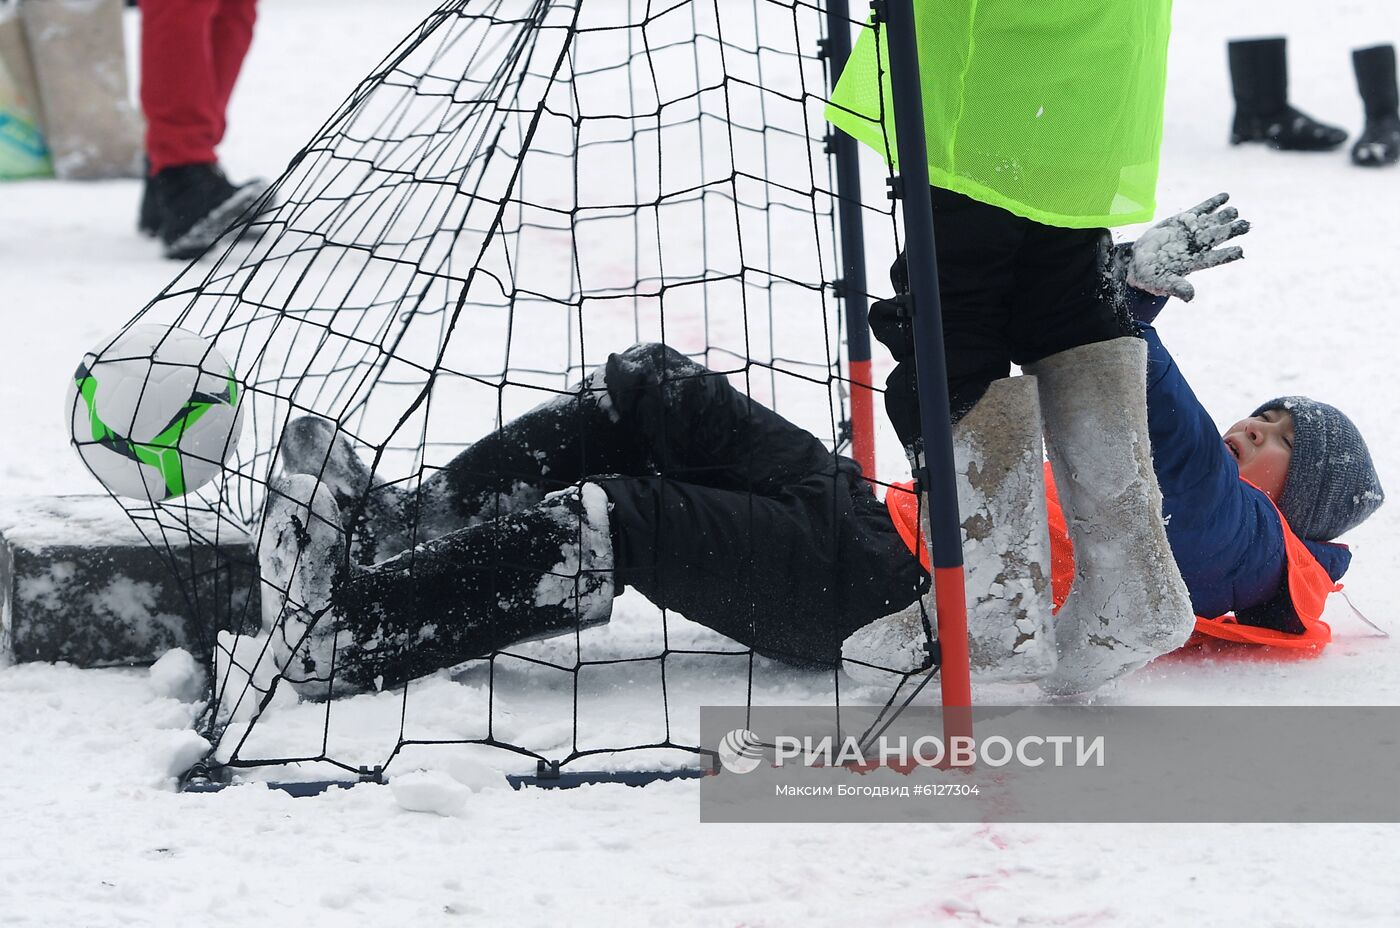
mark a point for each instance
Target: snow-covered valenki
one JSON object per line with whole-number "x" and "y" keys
{"x": 1129, "y": 603}
{"x": 301, "y": 551}
{"x": 997, "y": 457}
{"x": 1006, "y": 549}
{"x": 340, "y": 628}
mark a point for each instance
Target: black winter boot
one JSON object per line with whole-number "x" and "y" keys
{"x": 197, "y": 203}
{"x": 1379, "y": 143}
{"x": 1259, "y": 75}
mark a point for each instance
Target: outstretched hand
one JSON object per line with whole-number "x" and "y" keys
{"x": 1183, "y": 244}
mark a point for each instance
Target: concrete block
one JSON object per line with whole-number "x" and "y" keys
{"x": 79, "y": 582}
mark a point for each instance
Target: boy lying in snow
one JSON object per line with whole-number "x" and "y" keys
{"x": 656, "y": 473}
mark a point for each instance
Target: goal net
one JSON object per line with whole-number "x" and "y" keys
{"x": 522, "y": 189}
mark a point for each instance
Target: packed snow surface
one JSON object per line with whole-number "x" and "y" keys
{"x": 93, "y": 833}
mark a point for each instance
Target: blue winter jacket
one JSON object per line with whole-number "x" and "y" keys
{"x": 1225, "y": 534}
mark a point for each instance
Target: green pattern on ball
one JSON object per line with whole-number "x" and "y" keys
{"x": 163, "y": 451}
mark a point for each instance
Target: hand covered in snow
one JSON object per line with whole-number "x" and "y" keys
{"x": 1183, "y": 244}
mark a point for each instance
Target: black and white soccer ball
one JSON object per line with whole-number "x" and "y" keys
{"x": 154, "y": 412}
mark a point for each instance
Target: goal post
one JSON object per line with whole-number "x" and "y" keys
{"x": 925, "y": 306}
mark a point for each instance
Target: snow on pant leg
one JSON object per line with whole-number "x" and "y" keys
{"x": 230, "y": 35}
{"x": 179, "y": 89}
{"x": 538, "y": 572}
{"x": 790, "y": 576}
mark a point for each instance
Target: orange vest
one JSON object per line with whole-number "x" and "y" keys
{"x": 1308, "y": 581}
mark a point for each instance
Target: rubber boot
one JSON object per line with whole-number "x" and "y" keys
{"x": 1006, "y": 549}
{"x": 1128, "y": 603}
{"x": 1259, "y": 77}
{"x": 1379, "y": 143}
{"x": 339, "y": 629}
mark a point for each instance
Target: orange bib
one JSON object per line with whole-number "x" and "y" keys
{"x": 1308, "y": 581}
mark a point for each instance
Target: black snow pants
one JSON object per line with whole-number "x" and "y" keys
{"x": 742, "y": 521}
{"x": 719, "y": 509}
{"x": 1013, "y": 291}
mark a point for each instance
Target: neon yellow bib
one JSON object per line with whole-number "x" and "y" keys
{"x": 1051, "y": 109}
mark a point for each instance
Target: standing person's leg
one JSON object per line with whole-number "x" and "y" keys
{"x": 185, "y": 83}
{"x": 1263, "y": 113}
{"x": 1379, "y": 143}
{"x": 179, "y": 93}
{"x": 1128, "y": 603}
{"x": 976, "y": 248}
{"x": 231, "y": 33}
{"x": 1063, "y": 297}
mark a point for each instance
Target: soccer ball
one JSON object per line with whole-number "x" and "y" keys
{"x": 154, "y": 412}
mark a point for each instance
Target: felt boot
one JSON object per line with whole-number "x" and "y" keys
{"x": 79, "y": 62}
{"x": 1006, "y": 549}
{"x": 1128, "y": 603}
{"x": 1259, "y": 77}
{"x": 1379, "y": 143}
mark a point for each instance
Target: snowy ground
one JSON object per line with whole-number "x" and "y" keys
{"x": 91, "y": 832}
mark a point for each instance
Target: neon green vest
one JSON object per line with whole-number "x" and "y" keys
{"x": 1051, "y": 109}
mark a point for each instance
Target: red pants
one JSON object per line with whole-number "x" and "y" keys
{"x": 191, "y": 52}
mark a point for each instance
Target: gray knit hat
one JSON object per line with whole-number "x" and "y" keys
{"x": 1331, "y": 484}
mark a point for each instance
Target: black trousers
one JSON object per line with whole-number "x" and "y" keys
{"x": 719, "y": 509}
{"x": 744, "y": 522}
{"x": 1013, "y": 291}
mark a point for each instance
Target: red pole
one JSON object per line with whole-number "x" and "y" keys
{"x": 862, "y": 417}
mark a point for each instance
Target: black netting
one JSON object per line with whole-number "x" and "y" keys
{"x": 521, "y": 191}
